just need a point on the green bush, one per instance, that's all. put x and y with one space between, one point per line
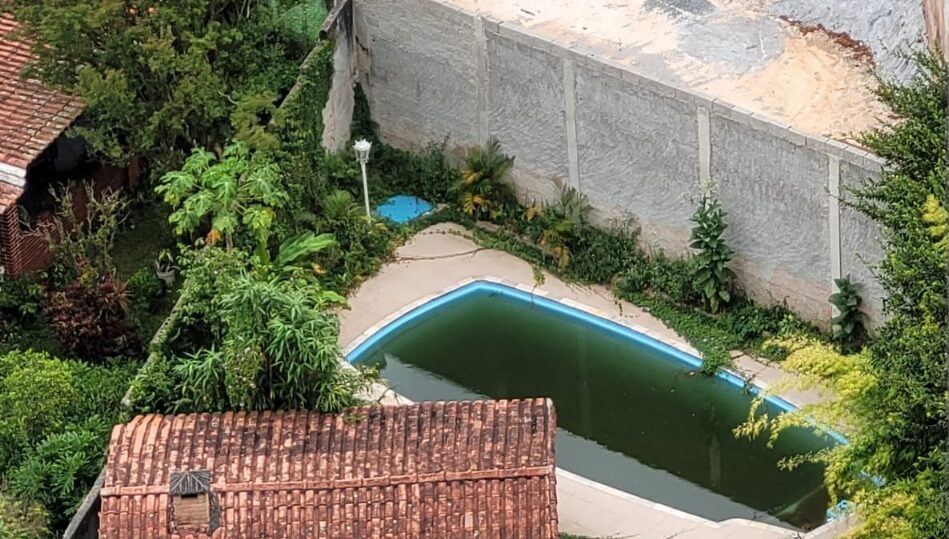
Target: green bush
35 397
144 289
21 298
673 279
597 256
22 518
153 389
59 471
752 322
99 389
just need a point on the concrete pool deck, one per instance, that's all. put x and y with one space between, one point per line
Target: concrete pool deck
443 257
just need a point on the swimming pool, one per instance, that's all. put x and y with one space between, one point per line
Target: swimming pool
631 410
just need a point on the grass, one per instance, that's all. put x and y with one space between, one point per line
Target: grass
144 234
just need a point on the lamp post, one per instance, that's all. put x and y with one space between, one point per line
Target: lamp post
362 147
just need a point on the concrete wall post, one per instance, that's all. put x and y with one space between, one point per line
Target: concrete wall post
570 121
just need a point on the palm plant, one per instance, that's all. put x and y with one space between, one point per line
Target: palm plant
483 189
340 206
562 220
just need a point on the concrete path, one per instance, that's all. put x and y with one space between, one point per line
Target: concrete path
441 258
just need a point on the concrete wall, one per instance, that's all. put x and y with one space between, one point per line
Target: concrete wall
338 112
639 149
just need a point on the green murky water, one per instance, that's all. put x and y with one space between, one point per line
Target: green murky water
627 417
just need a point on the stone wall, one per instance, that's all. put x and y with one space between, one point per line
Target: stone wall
639 149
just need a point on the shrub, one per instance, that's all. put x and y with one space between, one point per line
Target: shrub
636 279
711 276
59 471
22 518
90 319
673 279
597 256
153 390
279 351
21 298
849 327
144 289
82 243
35 397
99 389
751 322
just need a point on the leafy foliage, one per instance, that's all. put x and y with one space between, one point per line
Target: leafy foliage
279 351
483 191
237 193
711 276
145 288
561 223
849 325
22 519
158 80
892 397
91 319
60 469
937 219
21 298
82 234
35 394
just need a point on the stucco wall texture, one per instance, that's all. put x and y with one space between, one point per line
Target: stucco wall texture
640 149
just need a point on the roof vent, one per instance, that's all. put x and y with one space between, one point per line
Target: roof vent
191 500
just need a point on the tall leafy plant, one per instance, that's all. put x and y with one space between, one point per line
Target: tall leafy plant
849 325
711 276
237 192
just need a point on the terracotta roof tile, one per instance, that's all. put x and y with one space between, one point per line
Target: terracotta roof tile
446 469
32 114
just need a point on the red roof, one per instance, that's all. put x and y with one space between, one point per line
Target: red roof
32 114
446 469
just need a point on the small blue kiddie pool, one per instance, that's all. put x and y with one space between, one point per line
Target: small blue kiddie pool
403 208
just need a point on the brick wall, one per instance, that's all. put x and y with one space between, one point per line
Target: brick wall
25 251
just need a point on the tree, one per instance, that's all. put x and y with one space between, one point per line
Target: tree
891 399
159 78
239 191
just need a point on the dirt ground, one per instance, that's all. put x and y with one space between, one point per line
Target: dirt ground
730 49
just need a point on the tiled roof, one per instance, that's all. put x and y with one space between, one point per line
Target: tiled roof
446 469
32 114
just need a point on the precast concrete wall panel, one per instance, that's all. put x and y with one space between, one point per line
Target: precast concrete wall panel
637 154
423 76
